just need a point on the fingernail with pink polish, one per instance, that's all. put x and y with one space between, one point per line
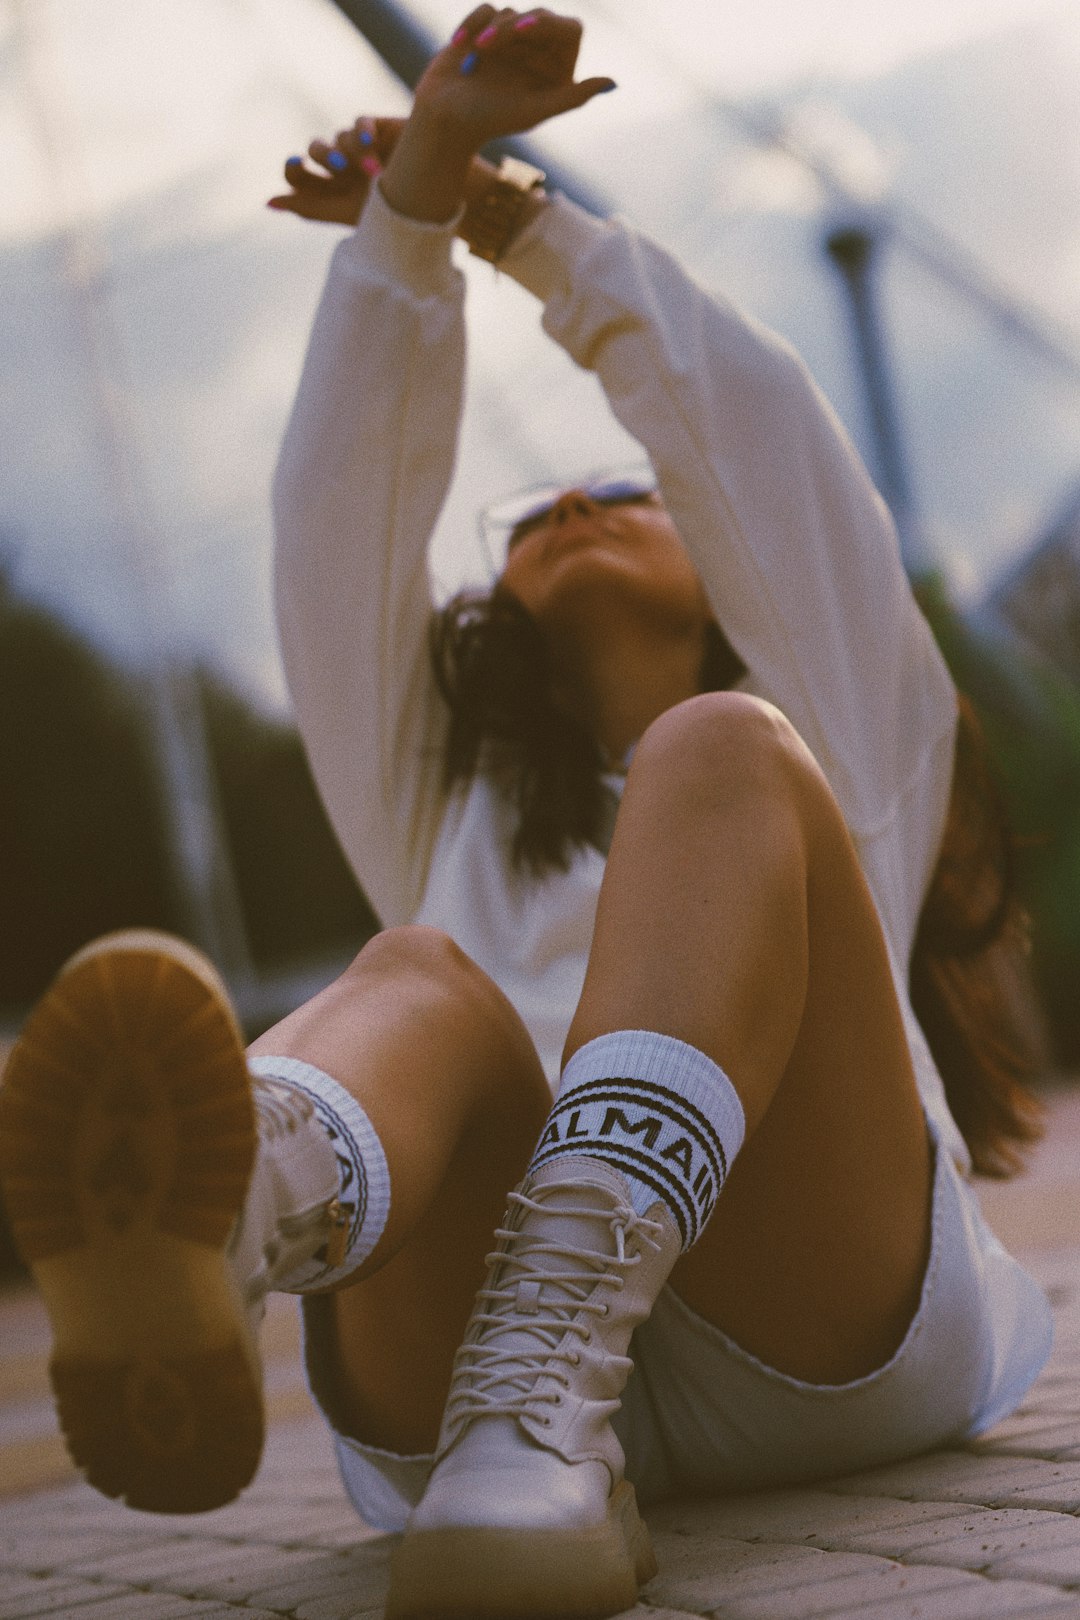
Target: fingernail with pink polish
371 166
459 37
525 22
487 36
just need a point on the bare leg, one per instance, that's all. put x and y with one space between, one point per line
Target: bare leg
445 1070
734 915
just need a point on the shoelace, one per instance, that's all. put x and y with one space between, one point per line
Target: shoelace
543 1301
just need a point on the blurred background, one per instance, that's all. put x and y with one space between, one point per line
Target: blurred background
894 184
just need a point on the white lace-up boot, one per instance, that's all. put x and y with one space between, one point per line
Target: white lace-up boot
129 1133
527 1512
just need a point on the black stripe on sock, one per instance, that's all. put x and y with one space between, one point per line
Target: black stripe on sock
626 1160
600 1147
664 1100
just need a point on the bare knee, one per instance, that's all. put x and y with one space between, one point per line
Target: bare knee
430 977
727 748
416 951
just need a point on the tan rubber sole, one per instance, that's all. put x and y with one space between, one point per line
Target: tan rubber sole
500 1574
127 1139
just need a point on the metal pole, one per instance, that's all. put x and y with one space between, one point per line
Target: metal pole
851 250
407 47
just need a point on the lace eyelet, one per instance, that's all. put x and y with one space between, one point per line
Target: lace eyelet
574 1360
605 1310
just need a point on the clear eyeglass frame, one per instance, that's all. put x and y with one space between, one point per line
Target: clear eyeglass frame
607 487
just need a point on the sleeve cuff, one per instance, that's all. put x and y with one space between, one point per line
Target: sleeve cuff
412 252
546 254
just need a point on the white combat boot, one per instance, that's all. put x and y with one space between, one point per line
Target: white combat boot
157 1192
527 1512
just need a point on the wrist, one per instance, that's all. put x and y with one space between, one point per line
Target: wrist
428 170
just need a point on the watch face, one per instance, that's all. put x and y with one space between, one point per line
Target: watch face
521 175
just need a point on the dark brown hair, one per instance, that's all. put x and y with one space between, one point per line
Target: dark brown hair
970 977
968 969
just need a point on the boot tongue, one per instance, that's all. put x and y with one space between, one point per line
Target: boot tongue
561 1243
568 1234
572 1193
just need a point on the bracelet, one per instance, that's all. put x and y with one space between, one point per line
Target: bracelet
491 221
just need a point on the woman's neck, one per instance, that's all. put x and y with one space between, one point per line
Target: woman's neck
625 680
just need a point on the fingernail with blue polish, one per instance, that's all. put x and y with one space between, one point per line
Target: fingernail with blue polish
469 63
366 138
337 161
289 162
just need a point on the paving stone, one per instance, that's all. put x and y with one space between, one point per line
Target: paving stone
346 1583
221 1570
967 1540
643 1611
113 1604
704 1572
865 1591
257 1570
56 1551
809 1517
983 1547
957 1476
974 1598
43 1595
1060 1566
1050 1440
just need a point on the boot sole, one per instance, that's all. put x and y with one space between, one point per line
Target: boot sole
127 1139
498 1574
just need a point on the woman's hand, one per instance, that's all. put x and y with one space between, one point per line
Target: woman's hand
337 185
504 72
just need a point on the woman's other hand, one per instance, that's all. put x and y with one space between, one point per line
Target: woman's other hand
335 185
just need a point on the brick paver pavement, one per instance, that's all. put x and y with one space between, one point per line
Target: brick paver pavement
990 1531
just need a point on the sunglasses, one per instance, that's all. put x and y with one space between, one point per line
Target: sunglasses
507 521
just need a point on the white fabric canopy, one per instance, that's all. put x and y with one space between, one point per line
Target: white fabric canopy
154 314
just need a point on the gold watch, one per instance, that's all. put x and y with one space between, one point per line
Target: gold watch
490 221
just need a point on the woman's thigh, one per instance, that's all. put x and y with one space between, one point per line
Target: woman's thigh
735 915
815 1256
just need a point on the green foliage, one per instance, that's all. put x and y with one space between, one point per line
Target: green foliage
80 822
1030 713
82 828
300 900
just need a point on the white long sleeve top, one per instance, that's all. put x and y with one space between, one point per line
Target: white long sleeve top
795 548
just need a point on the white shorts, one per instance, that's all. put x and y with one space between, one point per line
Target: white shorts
701 1415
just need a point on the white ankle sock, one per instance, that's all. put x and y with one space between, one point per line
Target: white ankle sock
363 1174
661 1112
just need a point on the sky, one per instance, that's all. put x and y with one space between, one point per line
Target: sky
766 46
153 315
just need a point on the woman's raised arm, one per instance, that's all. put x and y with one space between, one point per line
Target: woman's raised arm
370 445
794 544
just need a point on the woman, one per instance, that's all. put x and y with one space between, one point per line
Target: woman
726 994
